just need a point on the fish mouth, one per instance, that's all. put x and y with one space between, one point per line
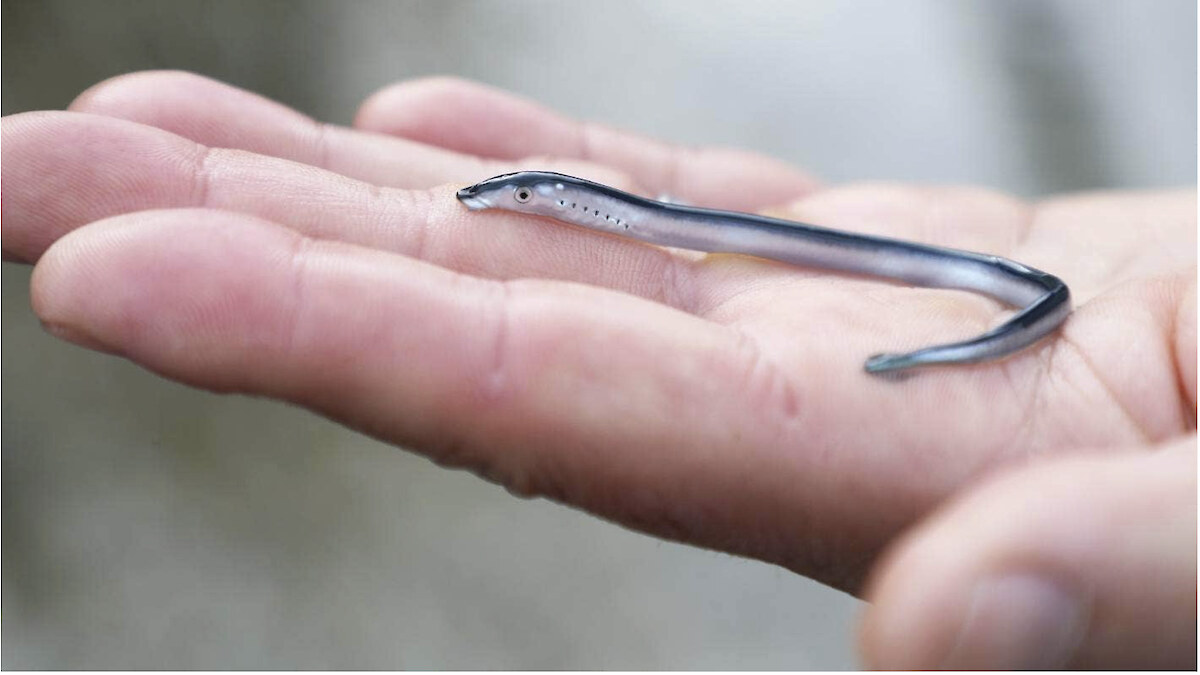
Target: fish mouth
469 196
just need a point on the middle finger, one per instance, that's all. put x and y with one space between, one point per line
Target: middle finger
218 115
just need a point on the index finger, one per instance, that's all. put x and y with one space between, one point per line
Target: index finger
219 115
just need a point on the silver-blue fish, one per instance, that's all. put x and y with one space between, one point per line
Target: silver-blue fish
1044 299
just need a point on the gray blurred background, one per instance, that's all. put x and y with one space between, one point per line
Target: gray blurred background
147 525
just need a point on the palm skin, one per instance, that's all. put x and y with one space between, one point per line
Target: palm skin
718 400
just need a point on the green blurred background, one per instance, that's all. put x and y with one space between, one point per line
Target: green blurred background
147 525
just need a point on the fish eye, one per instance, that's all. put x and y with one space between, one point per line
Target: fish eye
523 194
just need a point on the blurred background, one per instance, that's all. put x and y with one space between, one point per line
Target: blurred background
147 525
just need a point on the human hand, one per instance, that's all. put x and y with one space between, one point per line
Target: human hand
715 400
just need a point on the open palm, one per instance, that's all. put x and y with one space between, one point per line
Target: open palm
715 399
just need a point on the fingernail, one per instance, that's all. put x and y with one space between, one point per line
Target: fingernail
1019 622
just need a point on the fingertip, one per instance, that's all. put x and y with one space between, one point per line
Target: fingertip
121 90
464 116
98 285
78 289
899 628
64 169
206 111
1073 563
407 109
384 109
952 592
945 609
59 282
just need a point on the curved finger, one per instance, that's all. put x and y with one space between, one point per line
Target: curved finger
1086 563
62 170
219 115
629 409
476 119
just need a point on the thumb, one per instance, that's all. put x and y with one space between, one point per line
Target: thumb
1083 562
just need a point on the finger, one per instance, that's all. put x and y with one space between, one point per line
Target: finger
63 170
479 120
1086 563
956 216
599 399
218 115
